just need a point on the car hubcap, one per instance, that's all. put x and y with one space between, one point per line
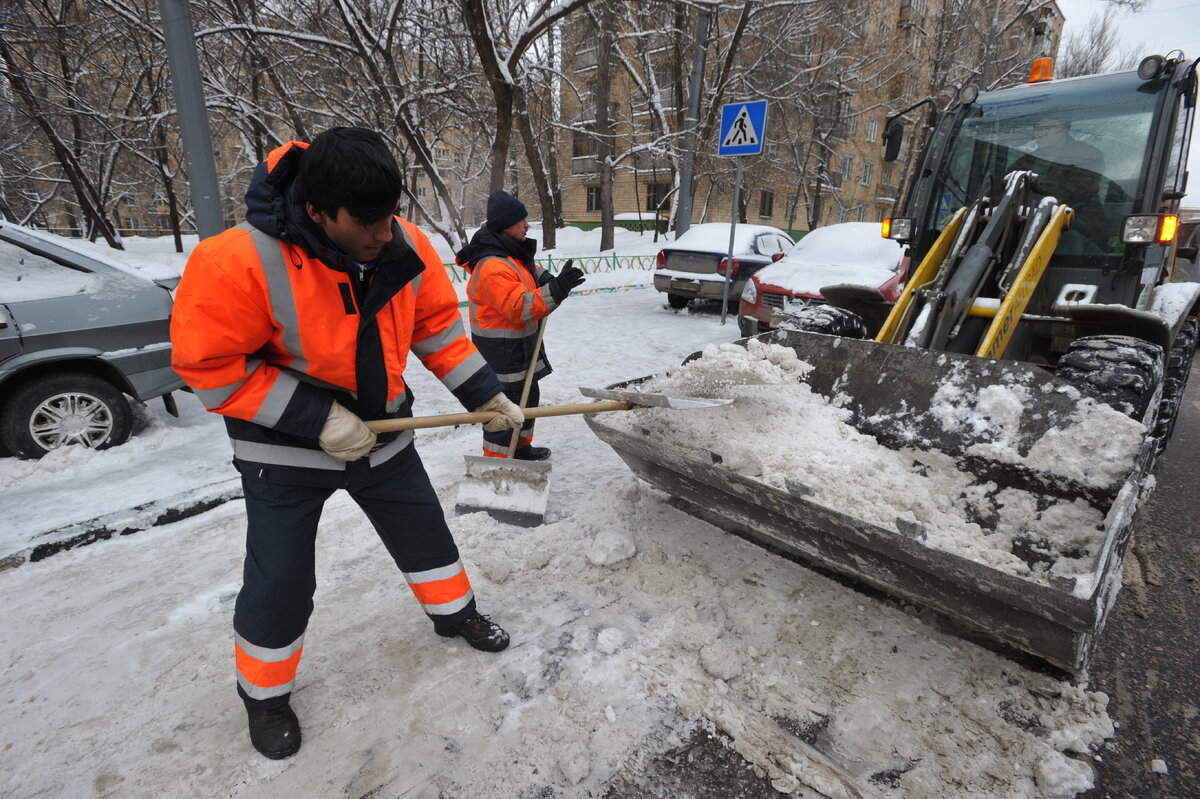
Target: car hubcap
71 418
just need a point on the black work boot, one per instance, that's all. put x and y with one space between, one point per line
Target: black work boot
275 732
478 630
532 453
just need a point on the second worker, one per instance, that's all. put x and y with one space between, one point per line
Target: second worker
509 294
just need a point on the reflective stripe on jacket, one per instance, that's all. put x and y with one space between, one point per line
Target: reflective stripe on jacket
506 304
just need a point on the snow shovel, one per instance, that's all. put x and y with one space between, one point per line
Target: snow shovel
509 490
518 495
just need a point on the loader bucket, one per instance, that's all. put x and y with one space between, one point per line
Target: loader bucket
899 396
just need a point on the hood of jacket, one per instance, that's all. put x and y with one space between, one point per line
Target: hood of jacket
273 208
489 244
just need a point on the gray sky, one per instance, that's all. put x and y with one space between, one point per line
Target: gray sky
1163 25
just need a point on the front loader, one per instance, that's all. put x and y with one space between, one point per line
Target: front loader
1041 270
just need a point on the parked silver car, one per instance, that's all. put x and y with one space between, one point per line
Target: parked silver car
78 332
693 266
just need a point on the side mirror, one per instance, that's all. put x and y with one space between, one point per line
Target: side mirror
893 135
1186 253
776 256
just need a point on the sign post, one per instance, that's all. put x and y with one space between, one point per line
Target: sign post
743 129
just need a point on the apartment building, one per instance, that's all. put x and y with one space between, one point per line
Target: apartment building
822 160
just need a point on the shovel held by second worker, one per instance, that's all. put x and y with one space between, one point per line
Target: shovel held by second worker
516 493
507 489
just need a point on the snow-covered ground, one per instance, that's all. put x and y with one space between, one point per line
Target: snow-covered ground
632 624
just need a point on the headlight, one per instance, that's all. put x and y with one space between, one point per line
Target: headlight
750 293
897 229
1149 229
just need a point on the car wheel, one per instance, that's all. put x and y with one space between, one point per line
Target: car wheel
1121 371
69 408
678 301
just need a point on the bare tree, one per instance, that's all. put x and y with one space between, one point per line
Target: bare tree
1087 52
51 56
503 33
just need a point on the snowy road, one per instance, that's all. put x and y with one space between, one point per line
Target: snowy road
633 624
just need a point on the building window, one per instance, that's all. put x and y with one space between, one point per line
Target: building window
862 213
766 203
441 153
593 198
847 168
881 211
872 129
656 195
868 167
851 122
420 191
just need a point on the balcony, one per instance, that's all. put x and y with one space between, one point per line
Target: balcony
584 165
652 161
585 59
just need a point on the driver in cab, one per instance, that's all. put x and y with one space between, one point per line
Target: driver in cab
1067 168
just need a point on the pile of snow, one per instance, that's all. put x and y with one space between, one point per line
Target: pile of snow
780 432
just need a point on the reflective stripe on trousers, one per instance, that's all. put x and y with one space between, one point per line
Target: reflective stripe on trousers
264 673
279 575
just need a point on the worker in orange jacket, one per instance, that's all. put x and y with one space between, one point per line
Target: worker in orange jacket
296 326
509 294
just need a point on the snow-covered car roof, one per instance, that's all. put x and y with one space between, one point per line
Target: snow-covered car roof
850 252
714 237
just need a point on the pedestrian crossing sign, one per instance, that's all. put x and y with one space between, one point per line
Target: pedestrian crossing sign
743 126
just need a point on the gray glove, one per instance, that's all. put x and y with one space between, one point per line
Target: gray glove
510 417
345 436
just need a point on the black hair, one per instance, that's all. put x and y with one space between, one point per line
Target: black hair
351 168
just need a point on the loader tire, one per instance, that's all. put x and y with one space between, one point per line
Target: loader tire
1179 366
1121 371
828 320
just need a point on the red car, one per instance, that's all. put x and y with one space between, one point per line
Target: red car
848 253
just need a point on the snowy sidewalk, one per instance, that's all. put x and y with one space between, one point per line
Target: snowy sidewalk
632 623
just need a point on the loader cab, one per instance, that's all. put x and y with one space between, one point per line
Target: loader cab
1107 145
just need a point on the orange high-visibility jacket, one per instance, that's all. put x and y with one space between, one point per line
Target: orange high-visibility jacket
271 325
507 301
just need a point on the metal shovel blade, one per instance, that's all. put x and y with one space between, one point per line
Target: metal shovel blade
647 400
508 490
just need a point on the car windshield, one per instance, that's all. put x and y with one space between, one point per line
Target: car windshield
27 276
1085 139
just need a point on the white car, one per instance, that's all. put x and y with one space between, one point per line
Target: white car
693 266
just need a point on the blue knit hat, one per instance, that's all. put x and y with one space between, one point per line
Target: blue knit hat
504 211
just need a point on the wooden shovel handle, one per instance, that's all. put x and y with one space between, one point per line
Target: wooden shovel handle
479 417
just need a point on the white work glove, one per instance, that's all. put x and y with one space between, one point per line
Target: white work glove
510 417
345 436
